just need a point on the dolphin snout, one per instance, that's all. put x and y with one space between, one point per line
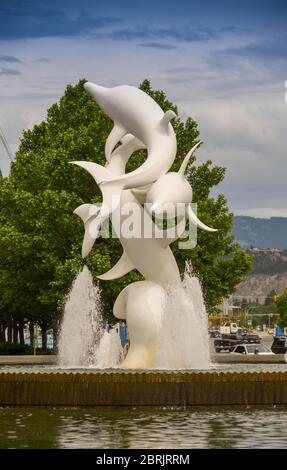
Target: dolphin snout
94 90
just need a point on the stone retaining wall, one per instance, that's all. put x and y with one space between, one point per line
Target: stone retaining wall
143 388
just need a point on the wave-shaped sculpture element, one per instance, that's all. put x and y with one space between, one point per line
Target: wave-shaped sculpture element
139 123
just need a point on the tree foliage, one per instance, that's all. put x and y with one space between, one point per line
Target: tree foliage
281 306
40 238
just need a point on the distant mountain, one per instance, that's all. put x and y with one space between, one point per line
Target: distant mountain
261 233
269 273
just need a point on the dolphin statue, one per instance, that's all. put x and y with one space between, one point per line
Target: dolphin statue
163 270
174 188
133 112
170 188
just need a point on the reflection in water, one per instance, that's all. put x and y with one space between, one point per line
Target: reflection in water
239 427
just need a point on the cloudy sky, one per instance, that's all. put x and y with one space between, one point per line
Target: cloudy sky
223 62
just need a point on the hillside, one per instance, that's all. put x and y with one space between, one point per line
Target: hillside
269 272
262 233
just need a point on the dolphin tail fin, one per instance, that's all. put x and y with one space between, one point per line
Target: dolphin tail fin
110 188
111 193
98 172
89 215
123 266
195 220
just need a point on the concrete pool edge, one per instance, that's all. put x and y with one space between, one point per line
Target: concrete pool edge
216 358
145 388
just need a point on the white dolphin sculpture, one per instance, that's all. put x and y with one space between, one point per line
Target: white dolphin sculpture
163 270
133 112
141 303
139 123
174 188
169 188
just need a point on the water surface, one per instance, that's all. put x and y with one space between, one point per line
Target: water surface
237 427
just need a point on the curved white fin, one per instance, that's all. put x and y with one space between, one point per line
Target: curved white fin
111 189
168 115
85 211
98 172
195 220
123 266
92 229
184 164
115 136
89 215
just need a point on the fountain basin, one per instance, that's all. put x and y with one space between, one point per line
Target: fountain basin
216 358
138 388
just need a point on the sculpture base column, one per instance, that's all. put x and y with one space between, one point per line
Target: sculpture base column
141 304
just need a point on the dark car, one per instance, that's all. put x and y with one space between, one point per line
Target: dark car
251 339
228 342
279 345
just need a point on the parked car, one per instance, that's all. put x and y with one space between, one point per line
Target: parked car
228 342
251 349
279 345
251 339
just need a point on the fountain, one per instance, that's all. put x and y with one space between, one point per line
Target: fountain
84 340
159 310
168 359
182 342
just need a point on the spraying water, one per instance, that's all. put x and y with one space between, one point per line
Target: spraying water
183 342
184 335
83 340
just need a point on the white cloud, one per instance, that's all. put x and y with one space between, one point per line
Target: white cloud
240 109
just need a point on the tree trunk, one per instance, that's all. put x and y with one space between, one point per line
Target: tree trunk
31 331
55 338
9 332
44 335
21 332
15 331
2 332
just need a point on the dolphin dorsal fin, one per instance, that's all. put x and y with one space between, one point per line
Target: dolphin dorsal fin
122 267
168 115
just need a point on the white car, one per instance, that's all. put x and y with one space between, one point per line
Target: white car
252 349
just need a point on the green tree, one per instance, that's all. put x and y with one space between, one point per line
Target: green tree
43 238
270 297
281 305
